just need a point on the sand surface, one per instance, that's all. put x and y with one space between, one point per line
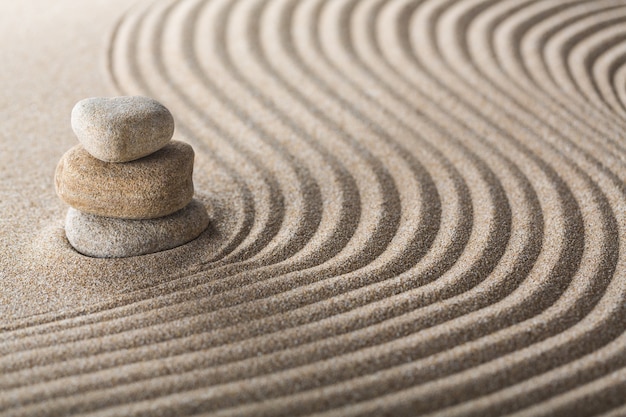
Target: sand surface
417 207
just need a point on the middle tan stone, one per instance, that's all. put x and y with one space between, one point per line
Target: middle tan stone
154 186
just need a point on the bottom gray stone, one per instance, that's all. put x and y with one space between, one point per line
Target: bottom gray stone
106 237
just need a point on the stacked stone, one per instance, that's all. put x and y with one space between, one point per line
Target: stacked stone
129 186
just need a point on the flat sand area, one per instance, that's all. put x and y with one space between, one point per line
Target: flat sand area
418 207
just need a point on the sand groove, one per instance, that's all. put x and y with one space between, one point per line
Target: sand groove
423 207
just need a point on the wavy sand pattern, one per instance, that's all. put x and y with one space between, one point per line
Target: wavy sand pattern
418 207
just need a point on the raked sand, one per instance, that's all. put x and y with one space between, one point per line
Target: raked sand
417 207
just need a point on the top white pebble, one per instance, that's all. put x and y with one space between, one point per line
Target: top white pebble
122 129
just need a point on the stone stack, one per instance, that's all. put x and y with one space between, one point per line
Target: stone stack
129 186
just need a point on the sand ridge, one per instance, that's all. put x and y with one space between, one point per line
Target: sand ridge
420 209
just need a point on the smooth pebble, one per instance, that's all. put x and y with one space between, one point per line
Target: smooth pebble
105 237
150 187
122 129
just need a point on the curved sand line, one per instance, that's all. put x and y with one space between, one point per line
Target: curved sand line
425 214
